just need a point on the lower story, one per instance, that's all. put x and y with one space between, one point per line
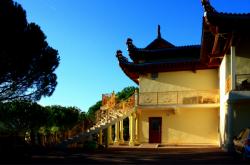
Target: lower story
167 126
205 125
179 126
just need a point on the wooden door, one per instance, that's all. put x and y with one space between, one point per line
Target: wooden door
155 130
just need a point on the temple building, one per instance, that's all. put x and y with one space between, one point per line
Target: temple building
191 95
188 95
178 100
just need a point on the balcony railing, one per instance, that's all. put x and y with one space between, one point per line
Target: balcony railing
179 97
242 82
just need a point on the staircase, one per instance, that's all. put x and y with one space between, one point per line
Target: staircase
109 114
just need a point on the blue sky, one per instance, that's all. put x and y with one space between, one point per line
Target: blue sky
87 34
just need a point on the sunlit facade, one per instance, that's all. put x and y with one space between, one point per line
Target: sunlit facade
188 95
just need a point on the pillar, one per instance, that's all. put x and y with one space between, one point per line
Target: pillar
117 130
137 129
121 132
109 134
233 68
100 136
131 130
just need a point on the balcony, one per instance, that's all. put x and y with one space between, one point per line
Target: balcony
242 82
113 109
179 97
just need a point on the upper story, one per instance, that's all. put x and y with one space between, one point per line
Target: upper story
220 63
225 42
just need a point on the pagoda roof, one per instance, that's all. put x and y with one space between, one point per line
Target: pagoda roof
139 55
133 70
150 51
220 30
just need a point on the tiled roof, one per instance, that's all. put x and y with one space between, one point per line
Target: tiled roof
226 22
218 32
133 70
221 30
167 54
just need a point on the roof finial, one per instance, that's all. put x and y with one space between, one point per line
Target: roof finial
159 31
207 6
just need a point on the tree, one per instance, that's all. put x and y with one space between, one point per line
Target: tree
93 109
19 117
63 117
27 62
126 92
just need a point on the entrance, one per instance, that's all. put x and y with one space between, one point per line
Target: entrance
155 130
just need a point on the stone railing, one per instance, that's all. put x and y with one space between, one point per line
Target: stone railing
179 97
112 108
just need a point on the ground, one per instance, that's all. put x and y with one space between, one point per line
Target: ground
134 156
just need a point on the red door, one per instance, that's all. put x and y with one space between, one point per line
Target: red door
155 130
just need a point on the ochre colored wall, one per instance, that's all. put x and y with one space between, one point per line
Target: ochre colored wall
186 126
181 80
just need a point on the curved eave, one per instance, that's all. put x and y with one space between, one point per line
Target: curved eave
206 42
228 22
213 44
225 22
133 70
124 63
131 73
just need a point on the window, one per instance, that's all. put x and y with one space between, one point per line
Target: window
154 75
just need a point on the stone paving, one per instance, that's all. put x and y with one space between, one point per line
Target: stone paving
174 155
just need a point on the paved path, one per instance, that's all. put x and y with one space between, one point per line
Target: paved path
140 156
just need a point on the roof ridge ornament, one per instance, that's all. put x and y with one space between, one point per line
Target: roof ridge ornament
120 57
130 44
207 6
159 31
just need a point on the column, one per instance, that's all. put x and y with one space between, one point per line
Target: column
117 133
100 136
137 129
233 68
109 134
121 132
131 130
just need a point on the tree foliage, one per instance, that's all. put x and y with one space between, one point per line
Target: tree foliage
92 110
126 92
22 116
63 117
27 62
